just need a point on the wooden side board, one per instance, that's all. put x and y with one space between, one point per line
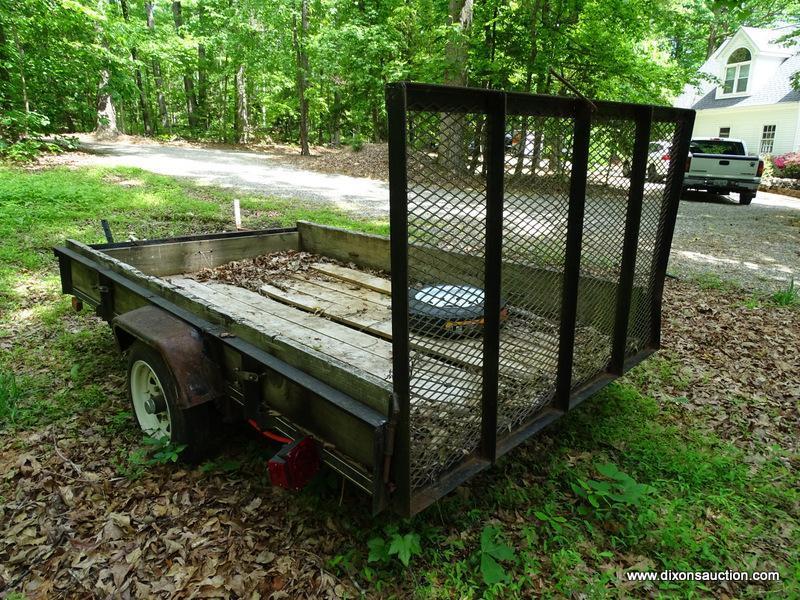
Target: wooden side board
363 249
172 258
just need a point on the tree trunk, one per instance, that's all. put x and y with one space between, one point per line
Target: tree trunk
242 114
299 38
534 28
188 77
202 75
336 125
163 115
22 79
106 113
5 74
452 130
144 104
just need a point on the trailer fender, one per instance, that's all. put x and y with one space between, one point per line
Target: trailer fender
181 346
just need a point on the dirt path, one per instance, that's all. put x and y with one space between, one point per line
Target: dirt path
756 246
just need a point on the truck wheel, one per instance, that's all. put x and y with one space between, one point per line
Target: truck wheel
746 198
152 393
652 174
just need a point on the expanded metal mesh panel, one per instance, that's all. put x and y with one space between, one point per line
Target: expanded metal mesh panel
488 208
607 190
446 238
536 206
659 160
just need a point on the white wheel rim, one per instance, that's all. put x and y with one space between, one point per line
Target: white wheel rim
145 386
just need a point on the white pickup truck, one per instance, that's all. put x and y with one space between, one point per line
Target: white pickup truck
722 166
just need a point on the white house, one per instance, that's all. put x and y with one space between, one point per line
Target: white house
750 94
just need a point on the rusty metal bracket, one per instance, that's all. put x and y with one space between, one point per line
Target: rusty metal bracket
106 290
250 381
181 346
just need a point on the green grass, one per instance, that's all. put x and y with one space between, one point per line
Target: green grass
789 296
706 505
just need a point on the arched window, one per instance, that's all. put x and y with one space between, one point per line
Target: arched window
737 71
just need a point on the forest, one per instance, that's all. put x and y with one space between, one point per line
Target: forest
313 71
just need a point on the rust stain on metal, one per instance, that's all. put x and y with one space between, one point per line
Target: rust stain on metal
182 347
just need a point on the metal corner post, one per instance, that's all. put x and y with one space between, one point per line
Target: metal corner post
572 257
396 108
644 120
669 214
495 172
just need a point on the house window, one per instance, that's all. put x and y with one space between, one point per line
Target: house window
767 139
724 132
737 72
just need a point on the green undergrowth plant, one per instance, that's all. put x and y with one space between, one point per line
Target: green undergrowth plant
152 452
404 547
788 296
10 393
616 490
494 552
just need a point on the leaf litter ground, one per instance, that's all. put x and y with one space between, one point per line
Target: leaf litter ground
76 522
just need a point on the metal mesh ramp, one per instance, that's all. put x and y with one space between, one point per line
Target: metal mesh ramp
556 216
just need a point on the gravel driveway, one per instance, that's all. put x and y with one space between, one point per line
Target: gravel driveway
756 246
257 172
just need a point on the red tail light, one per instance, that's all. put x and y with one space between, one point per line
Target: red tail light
760 168
688 163
295 464
665 157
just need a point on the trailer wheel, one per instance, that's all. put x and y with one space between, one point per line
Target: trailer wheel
746 198
152 394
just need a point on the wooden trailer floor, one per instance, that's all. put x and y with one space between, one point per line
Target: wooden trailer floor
346 314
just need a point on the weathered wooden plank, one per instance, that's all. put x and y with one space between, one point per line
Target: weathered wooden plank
365 280
371 353
370 311
344 308
171 258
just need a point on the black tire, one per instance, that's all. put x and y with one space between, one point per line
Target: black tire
626 169
191 426
652 174
745 198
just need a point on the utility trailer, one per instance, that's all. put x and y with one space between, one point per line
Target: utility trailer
517 281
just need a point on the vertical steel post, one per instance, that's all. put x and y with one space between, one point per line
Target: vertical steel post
572 257
495 171
644 119
396 107
666 223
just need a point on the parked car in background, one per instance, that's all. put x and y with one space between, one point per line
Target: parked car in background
722 166
657 162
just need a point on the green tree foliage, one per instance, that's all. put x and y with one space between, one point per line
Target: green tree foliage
228 69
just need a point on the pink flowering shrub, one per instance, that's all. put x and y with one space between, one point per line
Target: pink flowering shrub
787 165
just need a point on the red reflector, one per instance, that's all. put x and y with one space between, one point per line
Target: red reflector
760 168
665 157
295 465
